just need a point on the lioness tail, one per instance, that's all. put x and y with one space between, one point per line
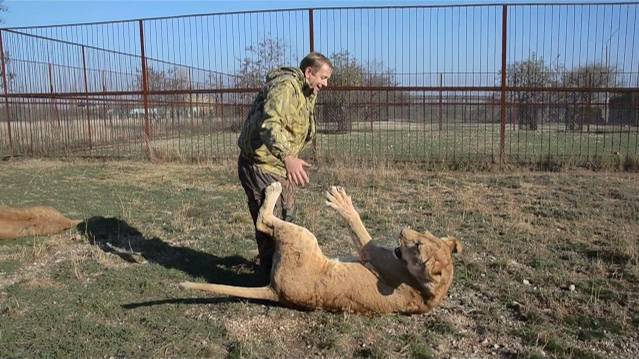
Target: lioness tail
265 293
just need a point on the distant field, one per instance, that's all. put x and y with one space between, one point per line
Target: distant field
529 238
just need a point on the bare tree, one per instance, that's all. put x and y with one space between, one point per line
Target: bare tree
586 80
335 104
3 8
532 72
7 58
166 80
341 108
337 109
262 58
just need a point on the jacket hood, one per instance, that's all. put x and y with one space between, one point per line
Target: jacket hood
283 71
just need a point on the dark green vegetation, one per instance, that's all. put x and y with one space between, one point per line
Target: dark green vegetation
108 288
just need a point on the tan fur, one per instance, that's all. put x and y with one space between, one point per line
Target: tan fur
32 221
377 282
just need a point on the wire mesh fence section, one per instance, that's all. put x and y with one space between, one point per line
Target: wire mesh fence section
428 83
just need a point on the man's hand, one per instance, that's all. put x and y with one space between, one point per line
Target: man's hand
295 170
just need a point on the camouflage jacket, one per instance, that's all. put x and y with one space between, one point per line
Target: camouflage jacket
280 122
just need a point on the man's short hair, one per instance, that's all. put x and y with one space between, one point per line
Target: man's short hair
315 60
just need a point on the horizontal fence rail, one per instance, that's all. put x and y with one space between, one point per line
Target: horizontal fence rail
517 83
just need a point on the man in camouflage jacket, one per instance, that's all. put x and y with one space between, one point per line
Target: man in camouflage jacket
280 123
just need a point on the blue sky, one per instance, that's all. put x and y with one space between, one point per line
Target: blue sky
447 40
51 12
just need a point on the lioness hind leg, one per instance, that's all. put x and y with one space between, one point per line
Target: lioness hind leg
266 219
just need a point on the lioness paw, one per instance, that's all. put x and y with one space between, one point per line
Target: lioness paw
337 199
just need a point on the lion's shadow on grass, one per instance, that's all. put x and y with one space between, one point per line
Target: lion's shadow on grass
114 235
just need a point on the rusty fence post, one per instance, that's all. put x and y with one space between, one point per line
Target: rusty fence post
56 114
502 112
145 95
86 102
311 39
590 113
5 85
311 30
107 132
441 101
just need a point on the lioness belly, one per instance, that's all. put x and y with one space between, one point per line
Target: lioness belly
339 286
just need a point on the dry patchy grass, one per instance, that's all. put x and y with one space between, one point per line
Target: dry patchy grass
550 267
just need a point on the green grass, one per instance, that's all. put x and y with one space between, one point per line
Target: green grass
73 295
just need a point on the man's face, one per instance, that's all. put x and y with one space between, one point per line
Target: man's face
318 79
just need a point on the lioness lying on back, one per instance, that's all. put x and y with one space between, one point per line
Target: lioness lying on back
413 278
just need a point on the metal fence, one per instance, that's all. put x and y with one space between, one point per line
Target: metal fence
518 83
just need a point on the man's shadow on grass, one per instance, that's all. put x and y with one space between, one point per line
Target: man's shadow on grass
115 236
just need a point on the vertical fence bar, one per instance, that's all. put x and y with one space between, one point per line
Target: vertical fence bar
441 101
53 101
189 113
145 95
86 91
574 99
502 114
108 131
5 86
311 37
311 30
590 112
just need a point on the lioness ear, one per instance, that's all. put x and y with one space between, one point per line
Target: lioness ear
454 244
